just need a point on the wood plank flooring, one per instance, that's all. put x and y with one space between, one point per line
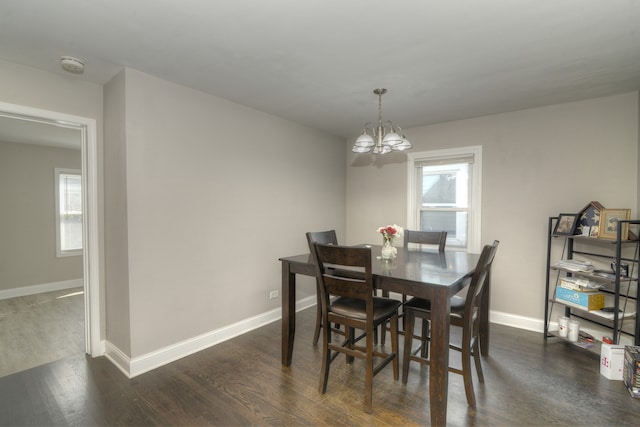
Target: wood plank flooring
41 328
241 382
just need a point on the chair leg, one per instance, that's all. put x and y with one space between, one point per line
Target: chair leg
316 333
394 347
351 336
368 378
383 333
476 357
404 323
467 375
424 339
383 327
409 317
326 360
375 334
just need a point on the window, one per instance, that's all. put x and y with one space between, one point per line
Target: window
444 194
68 183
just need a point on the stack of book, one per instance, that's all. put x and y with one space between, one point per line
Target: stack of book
576 265
579 284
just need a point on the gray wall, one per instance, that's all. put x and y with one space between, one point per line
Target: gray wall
27 221
537 163
210 194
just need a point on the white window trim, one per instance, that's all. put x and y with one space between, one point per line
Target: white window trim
57 172
475 223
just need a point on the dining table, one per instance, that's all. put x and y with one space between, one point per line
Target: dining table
423 273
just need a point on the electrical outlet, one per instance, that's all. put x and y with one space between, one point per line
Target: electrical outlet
273 294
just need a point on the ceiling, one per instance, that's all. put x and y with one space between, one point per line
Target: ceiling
39 133
316 62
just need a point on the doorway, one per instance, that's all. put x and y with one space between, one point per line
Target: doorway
86 130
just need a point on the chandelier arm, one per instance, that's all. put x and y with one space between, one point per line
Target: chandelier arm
390 124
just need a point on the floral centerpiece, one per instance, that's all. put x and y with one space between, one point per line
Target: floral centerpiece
389 233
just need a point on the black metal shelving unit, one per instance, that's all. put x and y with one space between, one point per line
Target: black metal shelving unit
622 289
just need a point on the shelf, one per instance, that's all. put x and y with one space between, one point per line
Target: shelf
609 316
593 346
598 313
596 277
595 240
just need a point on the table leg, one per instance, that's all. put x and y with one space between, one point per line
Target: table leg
439 371
484 317
288 312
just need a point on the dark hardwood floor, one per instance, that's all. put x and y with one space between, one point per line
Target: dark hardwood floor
241 382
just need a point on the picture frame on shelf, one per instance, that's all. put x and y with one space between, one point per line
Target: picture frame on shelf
566 224
589 218
608 227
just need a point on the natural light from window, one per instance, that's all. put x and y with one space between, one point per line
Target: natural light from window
445 194
68 212
445 201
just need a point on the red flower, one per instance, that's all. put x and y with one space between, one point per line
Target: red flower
390 232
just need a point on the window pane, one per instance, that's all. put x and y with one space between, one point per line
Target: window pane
445 186
454 223
439 189
71 232
70 205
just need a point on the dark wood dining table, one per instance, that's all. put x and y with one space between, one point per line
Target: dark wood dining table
433 275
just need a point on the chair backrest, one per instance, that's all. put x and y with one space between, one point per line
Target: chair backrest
477 286
324 237
332 261
438 238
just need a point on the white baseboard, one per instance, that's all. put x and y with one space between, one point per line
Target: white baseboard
118 358
132 367
38 289
515 321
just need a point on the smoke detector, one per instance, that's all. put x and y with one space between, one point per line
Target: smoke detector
72 65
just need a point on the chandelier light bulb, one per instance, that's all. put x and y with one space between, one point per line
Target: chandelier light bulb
392 139
403 146
365 140
360 150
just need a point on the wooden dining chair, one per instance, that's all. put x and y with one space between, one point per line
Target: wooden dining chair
436 240
324 237
465 313
349 301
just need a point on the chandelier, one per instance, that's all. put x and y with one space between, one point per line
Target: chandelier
382 139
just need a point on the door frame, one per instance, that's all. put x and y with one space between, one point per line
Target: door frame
94 345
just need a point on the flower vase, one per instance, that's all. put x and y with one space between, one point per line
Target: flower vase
388 250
